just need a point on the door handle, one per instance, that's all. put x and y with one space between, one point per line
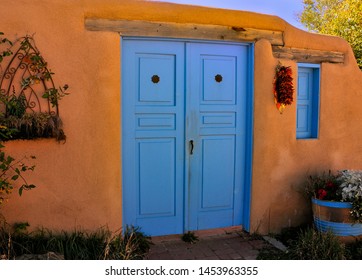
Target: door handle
191 142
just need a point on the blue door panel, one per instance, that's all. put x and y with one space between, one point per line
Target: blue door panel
303 125
151 121
217 120
218 79
217 165
157 177
304 83
157 79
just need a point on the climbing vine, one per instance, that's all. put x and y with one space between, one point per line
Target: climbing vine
11 172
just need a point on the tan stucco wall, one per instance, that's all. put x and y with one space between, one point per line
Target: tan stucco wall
79 183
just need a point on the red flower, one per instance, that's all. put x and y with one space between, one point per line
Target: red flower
321 194
330 185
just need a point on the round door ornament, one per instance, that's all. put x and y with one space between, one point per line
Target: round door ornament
155 79
218 78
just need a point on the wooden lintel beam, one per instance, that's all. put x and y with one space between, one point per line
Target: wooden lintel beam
183 30
308 55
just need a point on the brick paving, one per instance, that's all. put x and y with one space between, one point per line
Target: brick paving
220 244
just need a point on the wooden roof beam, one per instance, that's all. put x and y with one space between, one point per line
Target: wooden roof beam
308 55
183 30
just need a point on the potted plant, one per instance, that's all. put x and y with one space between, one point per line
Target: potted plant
337 202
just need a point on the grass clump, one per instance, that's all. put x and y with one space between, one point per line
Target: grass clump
306 243
189 237
354 250
315 245
129 244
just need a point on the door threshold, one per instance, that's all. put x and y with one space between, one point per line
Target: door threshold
199 233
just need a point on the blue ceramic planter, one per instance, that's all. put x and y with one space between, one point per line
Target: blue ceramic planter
335 216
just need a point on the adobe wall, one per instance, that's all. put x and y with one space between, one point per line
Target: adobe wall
79 182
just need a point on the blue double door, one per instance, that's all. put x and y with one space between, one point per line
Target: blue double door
184 134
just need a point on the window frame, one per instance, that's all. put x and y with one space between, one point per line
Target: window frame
313 119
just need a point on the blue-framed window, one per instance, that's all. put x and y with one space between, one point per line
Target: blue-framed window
308 100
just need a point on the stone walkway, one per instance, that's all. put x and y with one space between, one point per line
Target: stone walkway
220 244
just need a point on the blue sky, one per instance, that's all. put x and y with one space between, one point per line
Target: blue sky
286 9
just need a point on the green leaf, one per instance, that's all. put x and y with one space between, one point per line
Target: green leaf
335 17
9 159
15 177
31 186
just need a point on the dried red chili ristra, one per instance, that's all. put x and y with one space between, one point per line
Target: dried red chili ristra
283 87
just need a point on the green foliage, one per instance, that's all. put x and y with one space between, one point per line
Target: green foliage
11 171
323 186
314 245
21 227
6 133
131 244
7 51
15 106
354 250
18 119
19 124
336 17
54 94
189 237
31 126
306 243
356 212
